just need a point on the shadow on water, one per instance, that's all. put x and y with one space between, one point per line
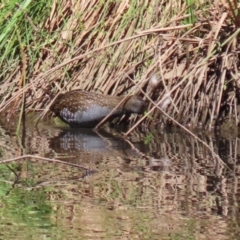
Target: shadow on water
154 185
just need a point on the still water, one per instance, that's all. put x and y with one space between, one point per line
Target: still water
60 183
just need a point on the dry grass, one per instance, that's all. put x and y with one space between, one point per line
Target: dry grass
115 48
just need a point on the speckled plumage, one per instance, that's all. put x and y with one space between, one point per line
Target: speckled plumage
80 108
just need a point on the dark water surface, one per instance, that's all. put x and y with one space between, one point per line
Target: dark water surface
155 185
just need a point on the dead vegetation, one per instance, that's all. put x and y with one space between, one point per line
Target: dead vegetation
115 47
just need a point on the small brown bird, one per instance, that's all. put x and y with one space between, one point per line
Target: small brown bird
80 108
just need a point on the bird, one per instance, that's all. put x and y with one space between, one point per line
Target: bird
84 109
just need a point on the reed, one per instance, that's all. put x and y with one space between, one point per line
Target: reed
114 47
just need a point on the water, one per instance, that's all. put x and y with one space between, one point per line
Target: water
156 185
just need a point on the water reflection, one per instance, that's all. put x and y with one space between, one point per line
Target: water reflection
89 140
155 185
95 149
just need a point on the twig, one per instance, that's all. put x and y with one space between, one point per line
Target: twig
41 158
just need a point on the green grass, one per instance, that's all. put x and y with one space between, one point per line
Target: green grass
26 17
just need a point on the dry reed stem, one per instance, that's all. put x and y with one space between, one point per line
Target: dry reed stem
40 158
100 44
156 105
